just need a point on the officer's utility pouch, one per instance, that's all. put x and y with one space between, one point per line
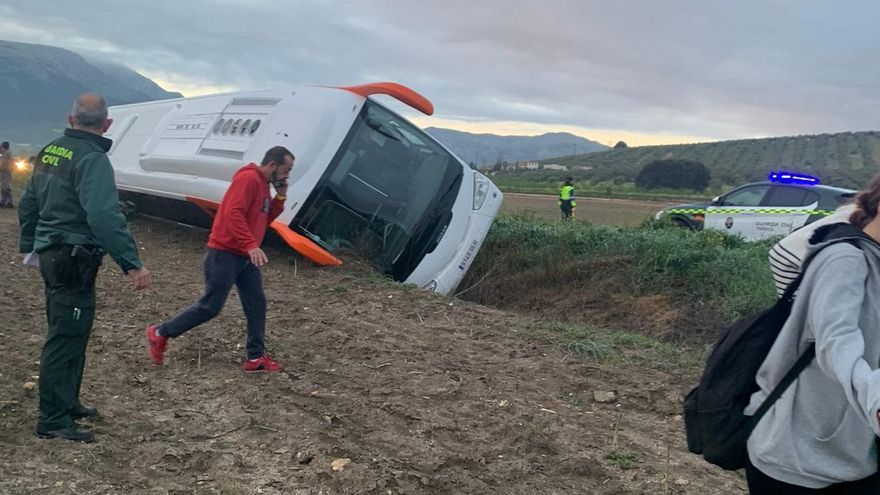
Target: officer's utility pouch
69 318
87 261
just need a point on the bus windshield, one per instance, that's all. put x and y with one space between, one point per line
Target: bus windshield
387 194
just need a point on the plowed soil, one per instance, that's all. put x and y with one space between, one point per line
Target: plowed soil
420 393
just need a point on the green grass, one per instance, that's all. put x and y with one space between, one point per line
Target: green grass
614 347
623 460
702 271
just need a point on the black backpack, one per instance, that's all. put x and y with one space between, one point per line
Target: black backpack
714 421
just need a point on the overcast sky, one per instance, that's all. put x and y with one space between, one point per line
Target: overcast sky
642 71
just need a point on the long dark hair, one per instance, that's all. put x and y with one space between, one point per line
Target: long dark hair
866 204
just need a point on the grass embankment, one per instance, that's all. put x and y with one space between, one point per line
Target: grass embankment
657 280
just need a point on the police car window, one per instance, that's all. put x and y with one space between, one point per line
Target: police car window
810 198
787 196
749 196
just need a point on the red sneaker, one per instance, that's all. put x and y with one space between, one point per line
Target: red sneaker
156 344
263 364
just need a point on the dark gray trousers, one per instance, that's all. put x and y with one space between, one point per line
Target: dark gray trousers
223 270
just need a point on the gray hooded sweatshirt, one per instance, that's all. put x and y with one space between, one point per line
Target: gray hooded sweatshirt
822 430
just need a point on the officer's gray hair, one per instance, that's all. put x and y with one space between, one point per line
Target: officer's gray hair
89 110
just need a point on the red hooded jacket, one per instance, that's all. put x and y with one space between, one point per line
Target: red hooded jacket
245 212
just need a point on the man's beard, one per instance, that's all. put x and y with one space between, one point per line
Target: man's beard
276 180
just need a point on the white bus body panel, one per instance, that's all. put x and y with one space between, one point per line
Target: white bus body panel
169 149
450 260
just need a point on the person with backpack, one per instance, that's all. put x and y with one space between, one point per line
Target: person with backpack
819 436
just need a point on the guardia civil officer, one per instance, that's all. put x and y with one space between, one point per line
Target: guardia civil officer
69 215
566 199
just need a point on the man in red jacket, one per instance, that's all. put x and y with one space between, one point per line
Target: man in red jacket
234 257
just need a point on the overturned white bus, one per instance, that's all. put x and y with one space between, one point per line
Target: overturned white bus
365 178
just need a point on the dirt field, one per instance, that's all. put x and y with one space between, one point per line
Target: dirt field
424 394
599 211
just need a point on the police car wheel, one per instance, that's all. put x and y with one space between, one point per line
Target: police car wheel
681 222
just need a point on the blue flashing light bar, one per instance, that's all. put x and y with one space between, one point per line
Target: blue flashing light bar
797 178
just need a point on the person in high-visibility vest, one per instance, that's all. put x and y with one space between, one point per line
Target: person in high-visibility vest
566 199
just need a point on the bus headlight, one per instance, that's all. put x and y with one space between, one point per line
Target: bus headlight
431 286
481 190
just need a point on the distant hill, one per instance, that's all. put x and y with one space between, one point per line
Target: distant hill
38 84
484 149
847 159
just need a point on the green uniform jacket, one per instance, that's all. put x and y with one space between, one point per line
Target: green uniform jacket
71 198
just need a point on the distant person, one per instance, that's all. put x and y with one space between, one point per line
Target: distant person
5 176
69 216
820 436
787 255
234 257
566 199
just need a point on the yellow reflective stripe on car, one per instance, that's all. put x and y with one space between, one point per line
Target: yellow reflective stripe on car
733 211
693 211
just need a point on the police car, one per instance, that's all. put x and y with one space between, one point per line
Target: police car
759 210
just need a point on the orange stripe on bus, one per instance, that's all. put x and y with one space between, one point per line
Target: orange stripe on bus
209 207
301 244
304 246
395 90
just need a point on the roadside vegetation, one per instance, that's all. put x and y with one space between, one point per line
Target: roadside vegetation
657 279
847 159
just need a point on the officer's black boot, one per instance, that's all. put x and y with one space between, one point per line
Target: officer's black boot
80 411
72 433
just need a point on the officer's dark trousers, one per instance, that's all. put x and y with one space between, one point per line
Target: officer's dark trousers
223 270
565 208
70 311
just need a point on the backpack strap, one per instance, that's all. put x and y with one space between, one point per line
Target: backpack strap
803 361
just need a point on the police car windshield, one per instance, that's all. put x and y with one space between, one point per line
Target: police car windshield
378 191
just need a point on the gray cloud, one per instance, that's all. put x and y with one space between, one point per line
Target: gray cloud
714 69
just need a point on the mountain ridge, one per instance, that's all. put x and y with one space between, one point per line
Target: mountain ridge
487 148
38 84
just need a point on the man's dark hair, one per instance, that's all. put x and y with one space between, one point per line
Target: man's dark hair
5 145
276 154
568 180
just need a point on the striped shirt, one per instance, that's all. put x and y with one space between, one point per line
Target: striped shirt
786 255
